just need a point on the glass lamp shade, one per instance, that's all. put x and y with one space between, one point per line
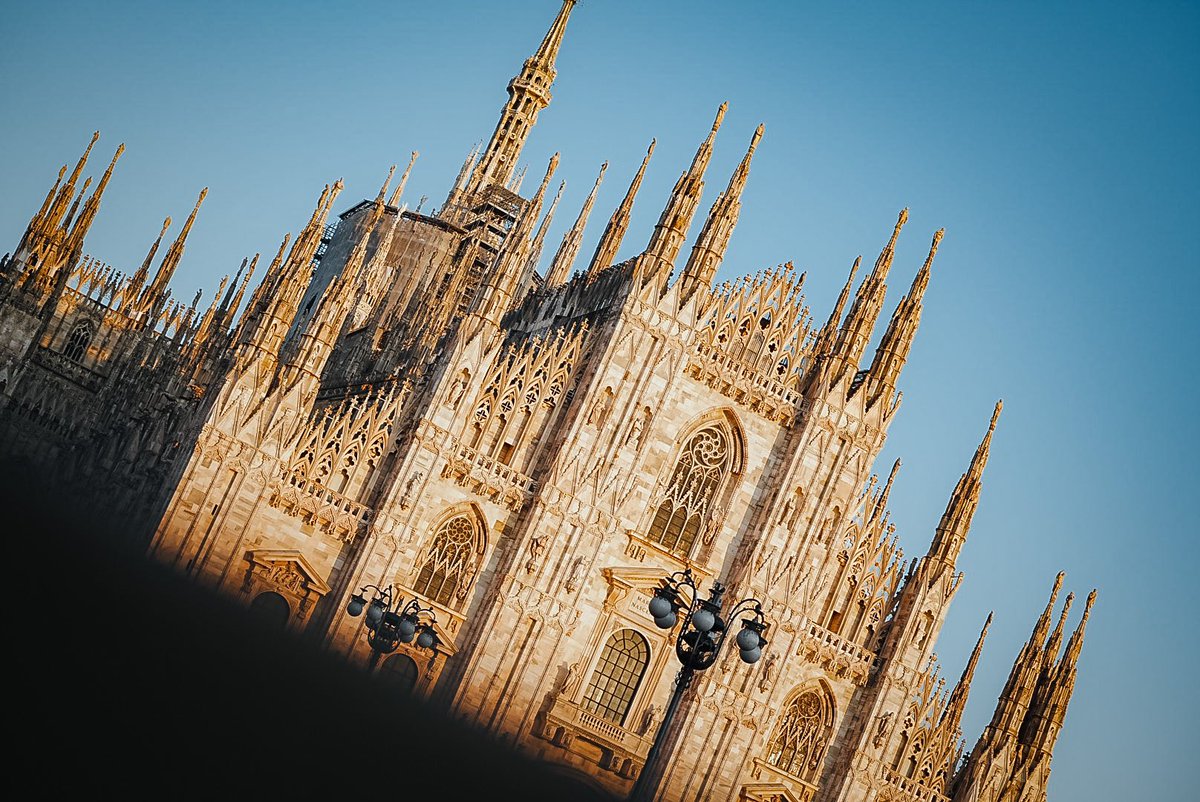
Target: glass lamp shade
406 626
660 607
425 639
751 655
703 619
665 622
375 612
748 639
356 605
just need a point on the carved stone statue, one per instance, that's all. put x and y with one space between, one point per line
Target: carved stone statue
572 582
649 719
638 429
406 499
570 680
766 675
600 409
881 727
457 389
537 546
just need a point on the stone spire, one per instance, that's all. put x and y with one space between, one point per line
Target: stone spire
659 257
67 190
499 290
528 94
856 330
1056 637
958 697
710 246
827 336
38 223
90 208
1012 756
956 520
395 199
51 246
897 341
336 303
881 502
618 224
170 261
1048 709
275 302
1018 690
143 272
564 259
539 239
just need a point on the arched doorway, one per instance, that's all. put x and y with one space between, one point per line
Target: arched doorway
399 672
271 609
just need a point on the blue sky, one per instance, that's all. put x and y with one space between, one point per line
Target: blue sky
1056 143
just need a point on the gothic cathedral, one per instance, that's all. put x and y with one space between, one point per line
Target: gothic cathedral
406 399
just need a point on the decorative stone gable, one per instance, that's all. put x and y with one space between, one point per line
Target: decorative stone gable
287 573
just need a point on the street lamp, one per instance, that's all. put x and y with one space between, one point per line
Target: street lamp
391 622
697 646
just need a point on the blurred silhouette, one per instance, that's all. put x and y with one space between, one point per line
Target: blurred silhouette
140 682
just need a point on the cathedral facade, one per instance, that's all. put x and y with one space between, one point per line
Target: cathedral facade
408 400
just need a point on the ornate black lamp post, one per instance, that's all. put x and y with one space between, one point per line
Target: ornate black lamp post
697 646
391 622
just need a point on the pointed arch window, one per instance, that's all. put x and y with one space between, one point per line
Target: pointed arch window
617 675
802 734
705 463
450 561
78 341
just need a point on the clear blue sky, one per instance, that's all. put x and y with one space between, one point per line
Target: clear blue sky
1057 146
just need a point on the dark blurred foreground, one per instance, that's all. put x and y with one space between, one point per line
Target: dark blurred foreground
137 683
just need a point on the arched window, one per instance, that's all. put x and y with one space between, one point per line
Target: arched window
704 463
399 672
617 676
271 609
798 745
78 341
450 561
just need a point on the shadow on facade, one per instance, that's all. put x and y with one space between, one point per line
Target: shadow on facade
145 684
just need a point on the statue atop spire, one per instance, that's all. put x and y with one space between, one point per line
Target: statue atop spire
855 332
665 243
618 224
956 520
892 353
564 259
710 246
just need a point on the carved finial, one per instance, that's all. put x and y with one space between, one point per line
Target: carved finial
720 116
383 189
754 140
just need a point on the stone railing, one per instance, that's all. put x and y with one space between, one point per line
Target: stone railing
837 654
744 383
315 503
622 750
912 790
68 369
489 477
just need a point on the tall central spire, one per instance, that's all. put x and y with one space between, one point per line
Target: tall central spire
528 93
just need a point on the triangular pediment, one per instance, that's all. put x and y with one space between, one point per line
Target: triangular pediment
766 792
283 559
